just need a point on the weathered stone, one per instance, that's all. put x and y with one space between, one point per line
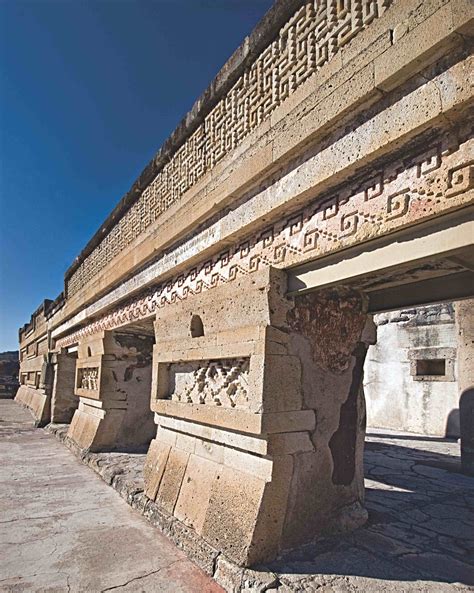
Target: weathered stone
465 353
113 378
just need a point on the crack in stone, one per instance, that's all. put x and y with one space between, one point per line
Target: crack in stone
53 516
141 577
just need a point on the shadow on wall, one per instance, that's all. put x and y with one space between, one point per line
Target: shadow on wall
452 424
420 527
466 407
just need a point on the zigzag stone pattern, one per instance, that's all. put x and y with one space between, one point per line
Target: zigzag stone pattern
310 39
221 382
402 192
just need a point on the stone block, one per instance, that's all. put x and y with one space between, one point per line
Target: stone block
207 435
228 575
455 87
197 548
417 49
289 442
254 465
232 512
304 128
195 491
463 17
165 435
83 429
282 383
155 464
172 479
185 442
209 450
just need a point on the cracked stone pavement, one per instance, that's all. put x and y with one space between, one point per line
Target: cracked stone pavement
63 529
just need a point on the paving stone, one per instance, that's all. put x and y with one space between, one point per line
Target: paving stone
65 530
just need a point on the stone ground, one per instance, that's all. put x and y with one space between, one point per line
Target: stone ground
63 529
420 534
419 538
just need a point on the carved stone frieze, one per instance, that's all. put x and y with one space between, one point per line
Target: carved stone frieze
88 378
403 192
309 40
215 382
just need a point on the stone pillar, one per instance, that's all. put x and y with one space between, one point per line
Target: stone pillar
465 377
260 416
64 401
37 395
113 380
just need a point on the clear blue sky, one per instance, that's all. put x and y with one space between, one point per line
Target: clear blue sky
89 90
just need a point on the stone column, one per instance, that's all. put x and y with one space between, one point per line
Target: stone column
113 379
37 394
260 416
64 401
465 377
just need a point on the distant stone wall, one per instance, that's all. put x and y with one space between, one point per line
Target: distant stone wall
9 367
410 373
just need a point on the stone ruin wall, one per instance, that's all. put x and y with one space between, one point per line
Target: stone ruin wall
310 39
410 375
354 122
431 181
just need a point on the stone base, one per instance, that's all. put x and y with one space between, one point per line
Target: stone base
37 401
237 505
64 402
97 430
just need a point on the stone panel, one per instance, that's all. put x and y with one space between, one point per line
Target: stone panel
275 479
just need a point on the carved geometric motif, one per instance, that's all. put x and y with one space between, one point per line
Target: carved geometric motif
219 382
88 378
402 193
312 36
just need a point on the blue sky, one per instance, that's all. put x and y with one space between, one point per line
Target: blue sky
89 90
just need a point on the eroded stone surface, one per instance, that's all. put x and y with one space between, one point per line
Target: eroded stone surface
355 159
420 533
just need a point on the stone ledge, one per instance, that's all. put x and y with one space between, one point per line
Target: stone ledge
124 472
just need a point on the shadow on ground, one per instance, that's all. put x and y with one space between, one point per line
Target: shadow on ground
420 531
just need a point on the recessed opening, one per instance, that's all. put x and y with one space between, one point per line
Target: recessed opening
197 327
432 367
89 351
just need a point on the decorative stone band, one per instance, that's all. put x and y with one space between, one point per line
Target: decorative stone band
220 382
310 39
399 194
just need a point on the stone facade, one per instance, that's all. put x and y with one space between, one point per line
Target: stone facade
410 376
261 473
338 132
112 381
9 367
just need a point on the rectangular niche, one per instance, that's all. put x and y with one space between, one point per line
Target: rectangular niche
432 364
222 382
88 378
